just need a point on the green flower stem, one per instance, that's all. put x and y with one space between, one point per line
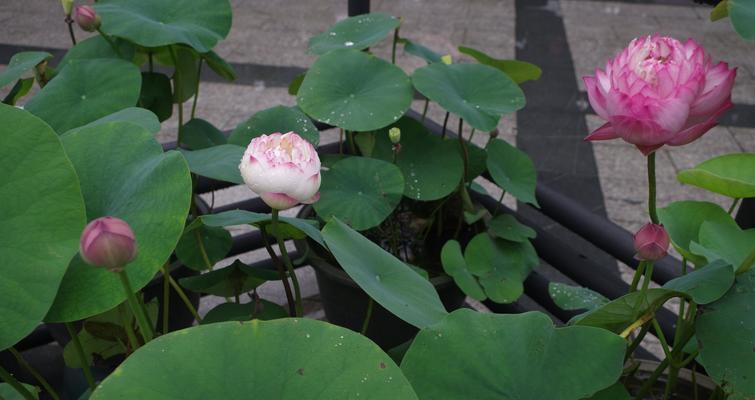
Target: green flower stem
637 340
498 204
340 141
110 41
177 94
80 353
637 274
471 135
145 327
424 110
661 337
196 89
166 300
464 153
368 316
289 266
182 295
151 62
645 284
42 381
734 205
651 188
128 327
445 124
8 378
281 272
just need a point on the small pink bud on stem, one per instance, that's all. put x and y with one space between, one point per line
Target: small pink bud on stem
651 242
87 18
108 242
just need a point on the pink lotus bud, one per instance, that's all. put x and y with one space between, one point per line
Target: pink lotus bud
283 169
651 242
659 91
108 242
87 18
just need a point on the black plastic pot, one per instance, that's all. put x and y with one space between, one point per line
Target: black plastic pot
345 303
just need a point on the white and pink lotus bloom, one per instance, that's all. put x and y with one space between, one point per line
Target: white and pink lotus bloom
283 169
659 91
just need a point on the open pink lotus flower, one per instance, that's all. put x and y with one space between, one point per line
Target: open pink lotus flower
659 91
283 169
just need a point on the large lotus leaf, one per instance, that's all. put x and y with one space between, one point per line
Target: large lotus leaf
478 93
569 297
285 359
357 32
742 14
420 51
135 115
157 94
500 265
216 242
390 282
7 392
123 173
512 170
197 23
472 355
682 220
432 167
41 219
455 266
618 314
519 71
97 47
217 162
355 91
85 91
20 64
259 309
361 191
726 333
279 119
232 280
242 217
706 284
725 241
731 175
200 134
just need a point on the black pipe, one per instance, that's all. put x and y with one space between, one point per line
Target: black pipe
601 232
746 214
576 266
358 7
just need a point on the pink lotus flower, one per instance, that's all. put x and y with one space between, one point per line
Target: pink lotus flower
108 242
283 169
659 91
87 18
651 242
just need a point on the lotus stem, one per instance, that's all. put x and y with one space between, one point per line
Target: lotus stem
289 266
82 356
8 378
145 327
42 381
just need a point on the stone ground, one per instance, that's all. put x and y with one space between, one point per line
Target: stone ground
568 38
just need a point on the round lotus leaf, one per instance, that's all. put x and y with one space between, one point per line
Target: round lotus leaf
432 166
731 175
358 32
42 218
21 64
471 355
355 91
85 91
278 119
196 23
478 93
285 359
124 173
361 192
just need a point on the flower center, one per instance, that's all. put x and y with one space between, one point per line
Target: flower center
652 57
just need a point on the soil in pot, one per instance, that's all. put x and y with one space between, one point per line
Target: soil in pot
421 235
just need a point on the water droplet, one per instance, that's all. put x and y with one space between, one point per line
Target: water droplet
332 34
377 278
83 97
348 44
